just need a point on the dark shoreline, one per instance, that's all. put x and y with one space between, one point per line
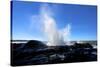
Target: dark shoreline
37 53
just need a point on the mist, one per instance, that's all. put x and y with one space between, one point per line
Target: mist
55 37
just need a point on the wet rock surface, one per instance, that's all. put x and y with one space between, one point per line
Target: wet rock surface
35 53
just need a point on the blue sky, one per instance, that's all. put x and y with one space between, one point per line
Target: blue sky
82 18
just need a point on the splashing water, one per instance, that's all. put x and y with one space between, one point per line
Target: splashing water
55 36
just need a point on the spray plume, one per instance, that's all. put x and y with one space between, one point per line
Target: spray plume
55 36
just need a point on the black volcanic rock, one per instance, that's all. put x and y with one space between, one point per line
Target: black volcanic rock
83 45
35 44
36 52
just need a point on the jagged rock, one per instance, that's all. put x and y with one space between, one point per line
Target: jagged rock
35 44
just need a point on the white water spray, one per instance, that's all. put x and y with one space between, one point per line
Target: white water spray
55 36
